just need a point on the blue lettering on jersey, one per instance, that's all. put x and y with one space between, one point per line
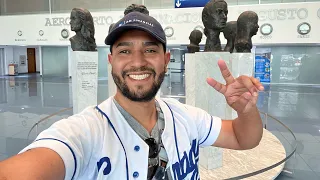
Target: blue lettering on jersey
106 170
188 164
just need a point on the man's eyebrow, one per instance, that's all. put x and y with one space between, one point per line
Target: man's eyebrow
125 44
150 43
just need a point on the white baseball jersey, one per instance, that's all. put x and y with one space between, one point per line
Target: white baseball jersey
99 144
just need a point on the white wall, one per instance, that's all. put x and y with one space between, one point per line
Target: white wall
17 52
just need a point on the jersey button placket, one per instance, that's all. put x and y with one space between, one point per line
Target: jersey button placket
136 174
137 148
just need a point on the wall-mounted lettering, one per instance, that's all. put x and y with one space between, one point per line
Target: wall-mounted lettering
266 37
64 21
283 14
57 21
303 36
178 19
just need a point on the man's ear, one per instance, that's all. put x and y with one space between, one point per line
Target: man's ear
110 58
167 58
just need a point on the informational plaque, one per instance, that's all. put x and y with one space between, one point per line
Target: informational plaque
23 59
84 79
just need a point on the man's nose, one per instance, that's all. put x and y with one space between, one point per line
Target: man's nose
138 59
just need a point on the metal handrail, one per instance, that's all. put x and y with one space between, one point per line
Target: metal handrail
43 119
237 177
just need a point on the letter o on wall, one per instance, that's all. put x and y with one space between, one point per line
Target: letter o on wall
109 20
302 13
67 21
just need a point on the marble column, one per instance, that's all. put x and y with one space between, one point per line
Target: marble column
241 64
84 79
199 67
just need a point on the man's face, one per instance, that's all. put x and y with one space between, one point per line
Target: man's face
75 22
138 65
218 15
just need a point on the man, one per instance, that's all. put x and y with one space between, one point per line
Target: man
134 135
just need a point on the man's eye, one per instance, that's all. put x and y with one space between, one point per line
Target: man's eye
124 52
150 51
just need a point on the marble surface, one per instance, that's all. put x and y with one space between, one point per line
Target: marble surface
199 67
211 158
84 79
235 163
242 64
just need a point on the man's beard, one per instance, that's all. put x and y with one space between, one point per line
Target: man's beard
138 96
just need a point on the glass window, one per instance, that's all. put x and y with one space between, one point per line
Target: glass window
59 6
13 7
288 1
167 4
103 61
270 1
152 4
296 64
160 4
55 61
232 2
242 2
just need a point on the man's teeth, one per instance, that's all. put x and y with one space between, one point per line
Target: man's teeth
139 77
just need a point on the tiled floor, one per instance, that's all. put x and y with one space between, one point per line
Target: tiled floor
26 99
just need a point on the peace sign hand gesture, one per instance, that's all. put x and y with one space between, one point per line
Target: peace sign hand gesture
241 93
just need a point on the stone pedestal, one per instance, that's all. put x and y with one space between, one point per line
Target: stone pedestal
199 67
241 64
84 79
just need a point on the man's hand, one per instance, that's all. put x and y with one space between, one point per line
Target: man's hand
241 93
244 132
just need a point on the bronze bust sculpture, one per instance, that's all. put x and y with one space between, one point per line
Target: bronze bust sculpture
81 22
136 8
230 33
247 26
214 18
133 8
195 39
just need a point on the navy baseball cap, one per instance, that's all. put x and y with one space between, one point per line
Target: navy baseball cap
139 21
